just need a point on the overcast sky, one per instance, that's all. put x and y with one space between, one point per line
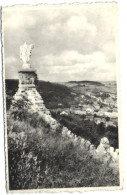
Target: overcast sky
71 42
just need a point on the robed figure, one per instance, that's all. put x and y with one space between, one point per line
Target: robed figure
25 52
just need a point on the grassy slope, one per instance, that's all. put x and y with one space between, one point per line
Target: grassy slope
44 159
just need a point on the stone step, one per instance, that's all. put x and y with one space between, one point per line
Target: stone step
34 94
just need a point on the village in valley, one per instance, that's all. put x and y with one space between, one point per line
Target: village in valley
97 101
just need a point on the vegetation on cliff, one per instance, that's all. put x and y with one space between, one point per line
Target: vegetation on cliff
88 129
41 158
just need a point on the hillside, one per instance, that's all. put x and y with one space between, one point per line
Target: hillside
40 158
53 94
86 82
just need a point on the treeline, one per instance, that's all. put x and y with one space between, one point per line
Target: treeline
86 82
88 129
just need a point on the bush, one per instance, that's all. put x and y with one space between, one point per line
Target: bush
40 158
88 129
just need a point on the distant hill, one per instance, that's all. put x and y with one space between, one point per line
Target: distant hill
53 94
86 82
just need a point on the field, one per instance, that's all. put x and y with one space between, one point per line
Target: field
94 87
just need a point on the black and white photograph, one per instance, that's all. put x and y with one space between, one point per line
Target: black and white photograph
61 108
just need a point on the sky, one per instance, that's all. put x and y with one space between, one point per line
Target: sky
71 42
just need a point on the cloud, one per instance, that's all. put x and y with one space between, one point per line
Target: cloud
70 42
10 60
71 57
11 68
17 20
79 24
74 65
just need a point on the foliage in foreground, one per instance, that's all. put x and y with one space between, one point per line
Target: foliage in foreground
40 158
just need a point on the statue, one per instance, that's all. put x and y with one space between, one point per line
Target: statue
25 53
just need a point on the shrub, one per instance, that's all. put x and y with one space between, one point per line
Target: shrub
88 129
40 158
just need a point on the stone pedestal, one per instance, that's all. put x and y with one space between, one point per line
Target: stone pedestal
26 66
27 79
